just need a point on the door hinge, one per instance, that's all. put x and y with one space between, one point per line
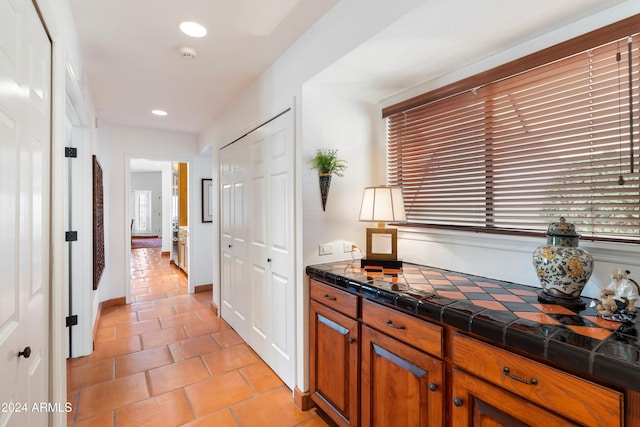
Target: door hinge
71 236
72 320
70 152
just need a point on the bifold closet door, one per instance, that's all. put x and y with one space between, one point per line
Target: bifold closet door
264 303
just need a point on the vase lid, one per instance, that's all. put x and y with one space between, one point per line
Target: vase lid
562 228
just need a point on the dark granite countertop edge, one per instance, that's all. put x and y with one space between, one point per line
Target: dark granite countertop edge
616 360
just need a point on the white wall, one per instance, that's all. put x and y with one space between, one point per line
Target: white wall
346 125
201 247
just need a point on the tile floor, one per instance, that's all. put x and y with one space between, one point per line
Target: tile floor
166 360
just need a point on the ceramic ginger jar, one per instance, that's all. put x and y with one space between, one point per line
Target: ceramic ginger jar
563 268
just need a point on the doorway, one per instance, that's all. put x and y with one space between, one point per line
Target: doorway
158 205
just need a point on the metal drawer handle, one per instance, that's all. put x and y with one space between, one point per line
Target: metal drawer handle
506 371
327 297
391 324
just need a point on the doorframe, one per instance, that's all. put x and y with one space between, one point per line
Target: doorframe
127 213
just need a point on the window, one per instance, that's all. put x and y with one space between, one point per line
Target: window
141 205
544 140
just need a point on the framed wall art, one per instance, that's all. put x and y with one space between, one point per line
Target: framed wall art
207 200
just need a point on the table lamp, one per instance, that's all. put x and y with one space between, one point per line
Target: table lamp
382 204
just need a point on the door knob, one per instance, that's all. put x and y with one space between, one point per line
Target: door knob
26 352
269 260
229 245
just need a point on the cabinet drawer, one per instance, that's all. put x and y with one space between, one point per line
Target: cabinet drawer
415 332
580 400
341 301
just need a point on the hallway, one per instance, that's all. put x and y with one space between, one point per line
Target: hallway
166 360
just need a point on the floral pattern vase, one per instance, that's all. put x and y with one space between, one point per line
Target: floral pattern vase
562 267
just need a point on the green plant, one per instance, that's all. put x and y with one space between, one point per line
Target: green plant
327 161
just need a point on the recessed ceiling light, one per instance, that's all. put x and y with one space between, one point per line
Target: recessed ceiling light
159 112
193 29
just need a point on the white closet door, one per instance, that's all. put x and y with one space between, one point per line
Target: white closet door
233 230
25 148
271 252
269 267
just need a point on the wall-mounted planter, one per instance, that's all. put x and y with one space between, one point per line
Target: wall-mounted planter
327 163
325 183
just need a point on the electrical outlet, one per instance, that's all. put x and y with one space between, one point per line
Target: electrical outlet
325 249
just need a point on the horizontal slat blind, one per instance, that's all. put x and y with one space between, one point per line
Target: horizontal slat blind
519 153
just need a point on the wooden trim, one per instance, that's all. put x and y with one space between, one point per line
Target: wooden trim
213 307
115 302
302 400
597 37
203 288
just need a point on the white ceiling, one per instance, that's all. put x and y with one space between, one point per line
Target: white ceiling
130 53
130 49
437 40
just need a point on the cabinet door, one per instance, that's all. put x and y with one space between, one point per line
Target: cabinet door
401 386
478 403
334 364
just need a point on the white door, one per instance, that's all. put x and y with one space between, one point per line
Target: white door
257 232
271 246
25 145
233 230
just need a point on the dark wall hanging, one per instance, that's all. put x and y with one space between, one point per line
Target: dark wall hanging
98 223
207 200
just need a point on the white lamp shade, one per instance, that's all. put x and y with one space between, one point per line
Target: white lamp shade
382 204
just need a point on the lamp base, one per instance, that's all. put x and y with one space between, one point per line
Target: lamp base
384 263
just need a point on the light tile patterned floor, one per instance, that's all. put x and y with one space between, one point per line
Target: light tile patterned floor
166 360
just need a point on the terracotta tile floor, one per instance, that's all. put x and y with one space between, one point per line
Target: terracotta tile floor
166 360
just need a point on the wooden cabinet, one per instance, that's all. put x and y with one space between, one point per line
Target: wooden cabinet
503 388
373 365
401 383
478 403
334 353
401 386
373 378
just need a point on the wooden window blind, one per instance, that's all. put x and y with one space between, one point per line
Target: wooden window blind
515 154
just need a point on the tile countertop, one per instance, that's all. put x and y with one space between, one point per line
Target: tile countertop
502 312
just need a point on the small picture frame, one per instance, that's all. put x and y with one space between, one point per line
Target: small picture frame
207 200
